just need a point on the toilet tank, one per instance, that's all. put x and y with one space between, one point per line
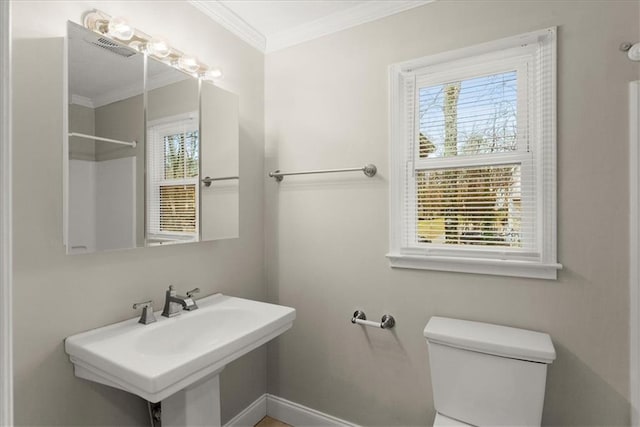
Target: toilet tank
488 375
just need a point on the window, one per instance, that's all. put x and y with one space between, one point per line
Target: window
473 159
173 180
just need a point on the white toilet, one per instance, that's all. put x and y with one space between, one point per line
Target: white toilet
487 375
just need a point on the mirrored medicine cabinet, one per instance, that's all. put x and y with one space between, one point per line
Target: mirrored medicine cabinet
151 154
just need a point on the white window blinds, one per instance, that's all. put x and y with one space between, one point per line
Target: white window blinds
473 159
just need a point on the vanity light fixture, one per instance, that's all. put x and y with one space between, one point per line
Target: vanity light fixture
118 29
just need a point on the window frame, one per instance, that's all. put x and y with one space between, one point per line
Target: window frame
532 53
156 131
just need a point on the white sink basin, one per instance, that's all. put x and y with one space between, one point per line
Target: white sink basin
157 360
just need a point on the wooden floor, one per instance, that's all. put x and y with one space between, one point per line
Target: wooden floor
271 422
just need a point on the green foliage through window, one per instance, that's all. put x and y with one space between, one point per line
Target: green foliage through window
470 206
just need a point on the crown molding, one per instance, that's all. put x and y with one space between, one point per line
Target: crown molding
361 14
117 95
166 78
232 22
153 82
82 100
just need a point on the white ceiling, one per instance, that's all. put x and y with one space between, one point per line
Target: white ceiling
271 25
273 17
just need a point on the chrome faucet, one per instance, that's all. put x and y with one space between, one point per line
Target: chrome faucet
174 304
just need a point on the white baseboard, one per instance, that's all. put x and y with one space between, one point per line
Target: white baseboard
251 415
300 416
286 411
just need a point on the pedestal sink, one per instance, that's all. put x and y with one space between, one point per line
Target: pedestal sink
177 360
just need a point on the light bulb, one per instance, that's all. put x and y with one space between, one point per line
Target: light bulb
95 21
213 74
158 48
137 45
120 29
188 64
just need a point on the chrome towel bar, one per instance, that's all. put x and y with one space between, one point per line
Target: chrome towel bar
359 318
369 170
207 180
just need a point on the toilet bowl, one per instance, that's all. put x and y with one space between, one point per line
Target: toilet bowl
487 375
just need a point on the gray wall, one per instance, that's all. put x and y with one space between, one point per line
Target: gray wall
82 119
327 236
57 295
124 120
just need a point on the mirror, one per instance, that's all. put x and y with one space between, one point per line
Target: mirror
130 182
105 170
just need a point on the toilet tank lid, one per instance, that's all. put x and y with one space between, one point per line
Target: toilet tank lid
492 339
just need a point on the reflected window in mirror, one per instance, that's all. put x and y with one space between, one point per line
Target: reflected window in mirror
173 156
173 180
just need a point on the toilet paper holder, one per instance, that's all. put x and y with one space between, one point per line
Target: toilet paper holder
359 318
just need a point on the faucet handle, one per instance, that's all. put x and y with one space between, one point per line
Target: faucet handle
144 304
147 312
193 291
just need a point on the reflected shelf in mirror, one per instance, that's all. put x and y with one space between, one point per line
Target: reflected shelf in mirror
101 139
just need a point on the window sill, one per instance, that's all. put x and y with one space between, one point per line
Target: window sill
495 267
162 239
